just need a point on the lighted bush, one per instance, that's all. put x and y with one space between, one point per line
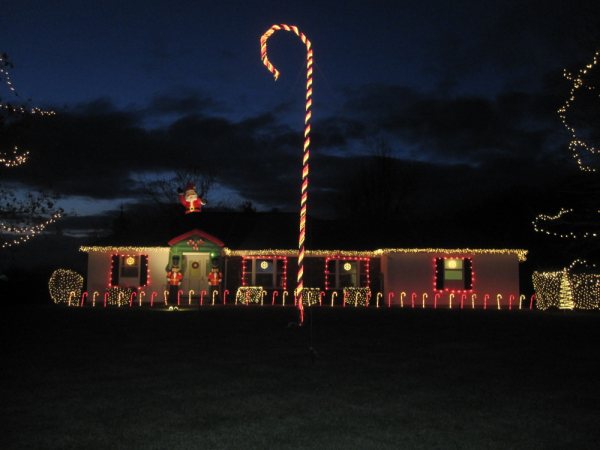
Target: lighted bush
357 296
586 290
566 290
118 296
311 296
249 294
65 287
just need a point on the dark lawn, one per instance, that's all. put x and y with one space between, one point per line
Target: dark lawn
241 378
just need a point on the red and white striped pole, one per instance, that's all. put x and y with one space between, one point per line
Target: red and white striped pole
305 151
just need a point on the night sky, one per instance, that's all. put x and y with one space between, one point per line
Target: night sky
462 96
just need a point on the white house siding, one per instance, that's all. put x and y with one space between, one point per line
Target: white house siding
157 263
99 265
98 273
495 274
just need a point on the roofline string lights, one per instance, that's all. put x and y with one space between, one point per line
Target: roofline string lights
305 151
113 249
521 254
576 142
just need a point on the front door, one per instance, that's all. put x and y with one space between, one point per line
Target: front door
197 268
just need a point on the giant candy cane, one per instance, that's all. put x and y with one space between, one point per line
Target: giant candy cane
305 152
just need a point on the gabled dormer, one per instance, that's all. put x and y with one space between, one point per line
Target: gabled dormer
194 241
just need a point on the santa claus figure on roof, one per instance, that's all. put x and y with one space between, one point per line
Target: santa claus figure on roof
190 199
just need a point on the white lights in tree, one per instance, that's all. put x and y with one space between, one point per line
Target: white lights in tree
582 82
20 220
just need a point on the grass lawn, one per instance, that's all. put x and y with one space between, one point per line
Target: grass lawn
239 377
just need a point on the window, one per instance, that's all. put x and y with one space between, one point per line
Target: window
263 272
270 272
130 266
128 271
346 272
453 274
453 269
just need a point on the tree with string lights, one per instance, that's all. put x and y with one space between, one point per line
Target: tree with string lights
579 115
576 285
22 215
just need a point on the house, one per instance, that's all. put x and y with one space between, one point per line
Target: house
417 277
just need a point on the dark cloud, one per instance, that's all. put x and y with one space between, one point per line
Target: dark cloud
482 146
180 103
97 151
489 46
463 129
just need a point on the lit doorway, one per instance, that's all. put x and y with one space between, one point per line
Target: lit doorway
197 267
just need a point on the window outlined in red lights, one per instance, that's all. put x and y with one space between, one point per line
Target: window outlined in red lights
268 265
119 262
363 271
445 274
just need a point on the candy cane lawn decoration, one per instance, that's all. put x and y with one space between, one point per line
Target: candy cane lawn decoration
305 152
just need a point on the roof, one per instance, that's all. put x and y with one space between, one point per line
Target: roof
196 232
119 249
519 253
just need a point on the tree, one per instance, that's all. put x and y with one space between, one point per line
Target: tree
162 192
378 187
22 214
577 226
565 295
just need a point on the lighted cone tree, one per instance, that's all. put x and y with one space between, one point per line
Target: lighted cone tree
566 293
574 287
21 216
